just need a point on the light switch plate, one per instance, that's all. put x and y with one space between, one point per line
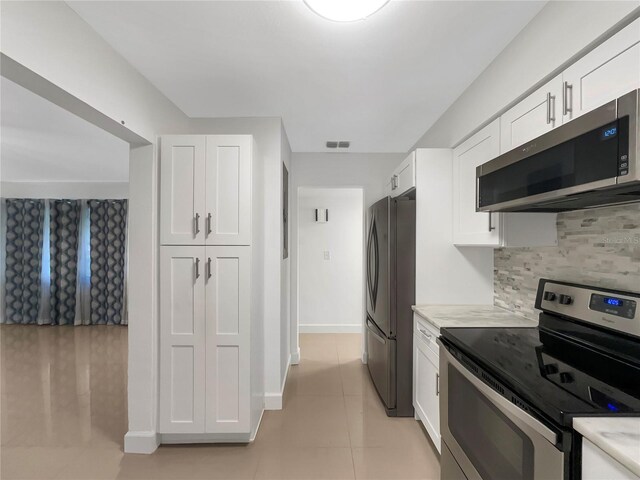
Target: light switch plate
327 255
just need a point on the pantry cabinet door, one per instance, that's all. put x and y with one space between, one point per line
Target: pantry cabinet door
228 193
228 300
182 339
607 72
537 114
471 227
182 206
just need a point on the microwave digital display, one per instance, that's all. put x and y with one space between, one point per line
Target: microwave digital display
610 131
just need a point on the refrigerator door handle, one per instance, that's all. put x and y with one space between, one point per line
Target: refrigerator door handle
377 334
369 246
377 265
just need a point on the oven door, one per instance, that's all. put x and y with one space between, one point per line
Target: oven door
488 436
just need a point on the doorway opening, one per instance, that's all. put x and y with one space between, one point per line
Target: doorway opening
63 274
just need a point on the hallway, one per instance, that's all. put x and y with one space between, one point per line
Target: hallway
64 403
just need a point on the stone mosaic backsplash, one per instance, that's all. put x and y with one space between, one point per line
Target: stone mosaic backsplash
598 247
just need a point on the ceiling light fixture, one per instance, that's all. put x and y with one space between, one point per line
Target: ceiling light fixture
345 10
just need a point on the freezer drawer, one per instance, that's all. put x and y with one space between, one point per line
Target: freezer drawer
382 363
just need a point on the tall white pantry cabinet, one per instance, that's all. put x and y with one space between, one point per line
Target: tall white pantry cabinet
211 355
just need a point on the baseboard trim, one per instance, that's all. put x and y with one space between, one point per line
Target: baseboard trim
144 442
331 328
295 357
254 434
273 401
182 438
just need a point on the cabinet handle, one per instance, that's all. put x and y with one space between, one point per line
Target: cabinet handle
437 384
209 267
394 183
197 221
209 224
491 227
550 117
425 333
197 268
567 104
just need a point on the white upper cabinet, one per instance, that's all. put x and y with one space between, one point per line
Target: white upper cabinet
403 178
228 195
604 74
471 227
219 214
182 170
537 114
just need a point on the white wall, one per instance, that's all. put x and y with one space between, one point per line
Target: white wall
561 32
445 274
286 358
41 142
48 152
369 171
50 39
69 190
330 290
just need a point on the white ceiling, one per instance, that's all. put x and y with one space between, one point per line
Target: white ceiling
380 83
42 142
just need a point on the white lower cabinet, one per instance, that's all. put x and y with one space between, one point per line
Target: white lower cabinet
182 340
205 325
598 465
426 379
227 323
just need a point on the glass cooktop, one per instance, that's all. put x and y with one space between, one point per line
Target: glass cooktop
563 370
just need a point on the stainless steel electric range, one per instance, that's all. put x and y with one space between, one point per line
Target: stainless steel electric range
510 394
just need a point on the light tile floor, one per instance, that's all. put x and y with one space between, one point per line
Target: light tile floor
64 415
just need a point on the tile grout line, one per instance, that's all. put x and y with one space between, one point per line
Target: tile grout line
346 413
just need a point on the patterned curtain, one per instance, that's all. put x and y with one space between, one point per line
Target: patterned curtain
64 234
108 220
25 226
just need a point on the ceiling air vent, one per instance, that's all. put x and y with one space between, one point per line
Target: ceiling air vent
340 144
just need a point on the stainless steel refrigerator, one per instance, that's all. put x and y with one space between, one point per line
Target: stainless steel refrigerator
390 259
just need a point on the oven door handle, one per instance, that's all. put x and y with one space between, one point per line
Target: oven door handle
502 402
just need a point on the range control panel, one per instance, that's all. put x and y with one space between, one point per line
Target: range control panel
607 308
613 305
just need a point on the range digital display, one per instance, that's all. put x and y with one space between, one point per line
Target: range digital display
616 302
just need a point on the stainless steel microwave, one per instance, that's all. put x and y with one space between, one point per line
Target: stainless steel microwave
591 161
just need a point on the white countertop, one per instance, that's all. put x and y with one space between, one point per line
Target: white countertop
618 436
442 316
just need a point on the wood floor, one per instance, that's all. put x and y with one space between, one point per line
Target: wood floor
64 415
